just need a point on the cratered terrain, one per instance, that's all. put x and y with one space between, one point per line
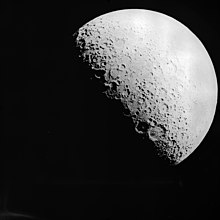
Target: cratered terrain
158 70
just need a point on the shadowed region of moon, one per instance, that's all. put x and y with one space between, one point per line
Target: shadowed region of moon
159 70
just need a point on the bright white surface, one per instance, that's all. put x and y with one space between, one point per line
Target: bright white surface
182 63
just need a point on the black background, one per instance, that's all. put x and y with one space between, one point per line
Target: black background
66 152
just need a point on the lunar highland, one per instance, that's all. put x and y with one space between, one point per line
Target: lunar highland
159 70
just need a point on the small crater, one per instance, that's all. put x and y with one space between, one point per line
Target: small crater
163 108
141 127
141 101
156 133
112 92
122 66
151 121
99 74
148 110
126 111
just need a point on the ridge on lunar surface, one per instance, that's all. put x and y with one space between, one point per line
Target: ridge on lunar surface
147 61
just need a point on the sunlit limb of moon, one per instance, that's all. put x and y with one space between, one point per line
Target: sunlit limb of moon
159 70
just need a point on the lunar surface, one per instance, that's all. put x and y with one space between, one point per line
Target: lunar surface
159 70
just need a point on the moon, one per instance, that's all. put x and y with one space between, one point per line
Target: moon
160 72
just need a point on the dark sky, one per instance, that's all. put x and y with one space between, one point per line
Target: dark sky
65 150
